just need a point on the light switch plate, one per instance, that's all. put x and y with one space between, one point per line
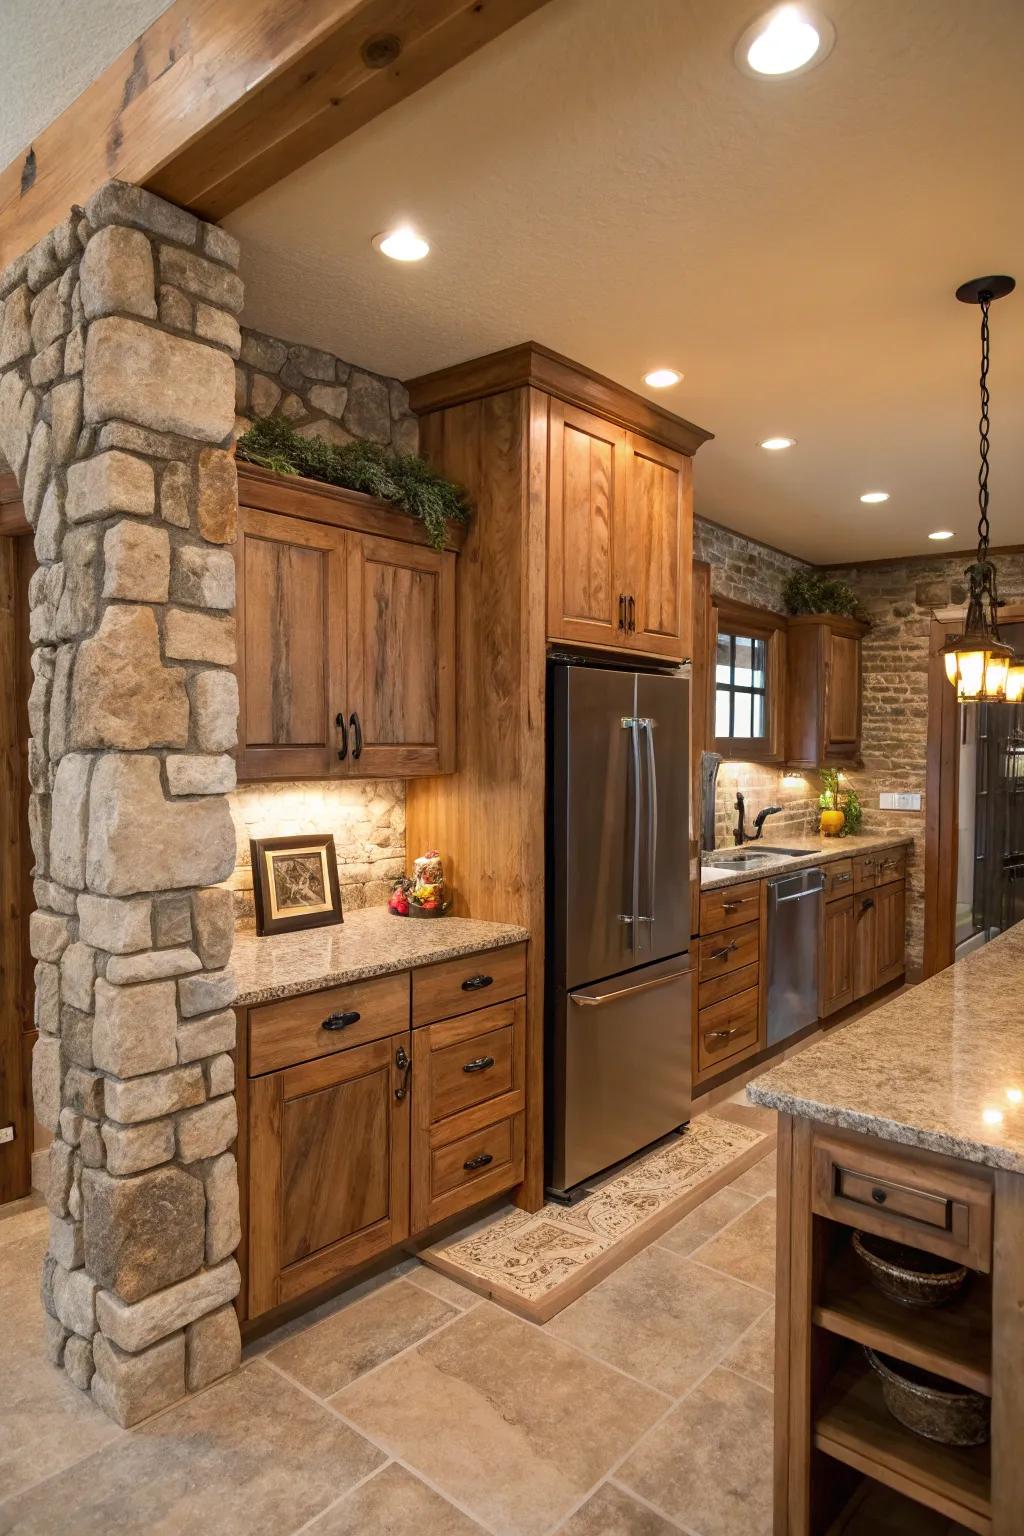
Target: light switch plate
903 800
6 1134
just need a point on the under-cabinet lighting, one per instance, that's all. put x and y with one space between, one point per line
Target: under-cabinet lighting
1015 1095
992 1116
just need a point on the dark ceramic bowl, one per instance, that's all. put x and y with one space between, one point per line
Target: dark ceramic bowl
906 1274
929 1405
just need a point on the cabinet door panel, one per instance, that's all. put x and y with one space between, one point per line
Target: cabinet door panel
837 956
291 622
843 706
585 497
328 1168
890 936
657 545
864 924
401 645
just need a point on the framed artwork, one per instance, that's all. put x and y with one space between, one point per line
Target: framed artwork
295 882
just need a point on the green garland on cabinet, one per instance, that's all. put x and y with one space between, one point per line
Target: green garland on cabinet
402 479
814 592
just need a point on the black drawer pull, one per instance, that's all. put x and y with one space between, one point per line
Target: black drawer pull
879 1196
479 1065
480 1161
477 983
340 1020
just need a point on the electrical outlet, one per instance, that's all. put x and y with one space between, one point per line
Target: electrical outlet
6 1134
903 800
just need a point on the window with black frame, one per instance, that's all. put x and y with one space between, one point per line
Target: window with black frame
741 688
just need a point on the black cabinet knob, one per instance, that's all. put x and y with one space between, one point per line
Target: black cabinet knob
878 1196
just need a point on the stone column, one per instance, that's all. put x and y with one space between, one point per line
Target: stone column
117 340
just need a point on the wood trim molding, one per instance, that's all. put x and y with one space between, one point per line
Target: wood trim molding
295 496
839 623
531 365
218 99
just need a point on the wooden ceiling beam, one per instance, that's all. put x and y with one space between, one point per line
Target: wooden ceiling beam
219 99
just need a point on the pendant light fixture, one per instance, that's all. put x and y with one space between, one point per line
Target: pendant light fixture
978 662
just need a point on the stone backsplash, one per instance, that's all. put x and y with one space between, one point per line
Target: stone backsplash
322 395
741 568
796 793
366 819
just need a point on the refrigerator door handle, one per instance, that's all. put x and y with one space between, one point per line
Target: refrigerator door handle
633 726
589 1000
652 825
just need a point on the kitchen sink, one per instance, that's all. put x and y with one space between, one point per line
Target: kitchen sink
745 859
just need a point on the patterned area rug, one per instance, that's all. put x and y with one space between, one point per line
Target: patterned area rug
536 1264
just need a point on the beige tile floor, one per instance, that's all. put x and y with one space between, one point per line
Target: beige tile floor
412 1406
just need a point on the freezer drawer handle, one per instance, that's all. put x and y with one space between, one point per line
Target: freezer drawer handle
724 952
479 1065
588 1000
480 1161
477 983
341 1020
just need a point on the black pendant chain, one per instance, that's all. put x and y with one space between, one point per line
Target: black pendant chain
983 426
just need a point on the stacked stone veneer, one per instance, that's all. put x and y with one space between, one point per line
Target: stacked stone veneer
321 395
117 344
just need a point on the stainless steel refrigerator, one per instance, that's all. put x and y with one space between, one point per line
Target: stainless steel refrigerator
618 974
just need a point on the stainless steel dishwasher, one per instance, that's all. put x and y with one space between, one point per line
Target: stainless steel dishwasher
794 944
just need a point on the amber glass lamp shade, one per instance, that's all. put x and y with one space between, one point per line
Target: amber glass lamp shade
1015 681
978 667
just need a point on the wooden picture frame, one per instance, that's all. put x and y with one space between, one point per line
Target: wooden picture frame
295 883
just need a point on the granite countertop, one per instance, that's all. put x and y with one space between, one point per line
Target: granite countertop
819 849
941 1066
369 942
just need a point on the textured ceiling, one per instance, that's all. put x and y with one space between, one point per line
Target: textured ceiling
604 180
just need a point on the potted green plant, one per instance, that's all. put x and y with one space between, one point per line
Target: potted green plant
812 591
841 810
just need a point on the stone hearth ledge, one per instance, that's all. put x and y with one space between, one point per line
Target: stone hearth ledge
370 942
939 1067
819 850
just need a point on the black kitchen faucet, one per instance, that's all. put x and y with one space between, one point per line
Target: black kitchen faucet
739 836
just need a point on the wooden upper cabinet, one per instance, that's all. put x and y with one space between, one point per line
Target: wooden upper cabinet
401 657
291 645
346 651
656 540
586 493
823 711
620 537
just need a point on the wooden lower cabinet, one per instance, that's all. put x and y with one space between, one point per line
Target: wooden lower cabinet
890 928
328 1168
360 1130
836 975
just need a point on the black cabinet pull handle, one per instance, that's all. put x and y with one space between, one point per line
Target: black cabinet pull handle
480 1161
339 721
403 1061
341 1020
479 1065
632 614
357 750
878 1196
477 983
622 610
722 954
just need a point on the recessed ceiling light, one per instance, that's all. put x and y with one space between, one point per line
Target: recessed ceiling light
776 444
872 496
785 41
941 533
402 244
662 378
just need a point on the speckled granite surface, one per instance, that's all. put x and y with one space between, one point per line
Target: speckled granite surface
368 943
941 1066
819 850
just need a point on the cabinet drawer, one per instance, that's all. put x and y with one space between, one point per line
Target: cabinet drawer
890 865
469 1071
838 878
727 1030
864 872
718 988
471 1157
474 981
320 1023
731 907
722 953
908 1198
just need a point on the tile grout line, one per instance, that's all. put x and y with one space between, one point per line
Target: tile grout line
308 1524
611 1471
373 1441
685 1530
724 1274
121 1434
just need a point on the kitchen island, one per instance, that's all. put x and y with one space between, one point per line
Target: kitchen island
908 1124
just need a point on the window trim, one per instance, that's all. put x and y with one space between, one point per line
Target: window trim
734 618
